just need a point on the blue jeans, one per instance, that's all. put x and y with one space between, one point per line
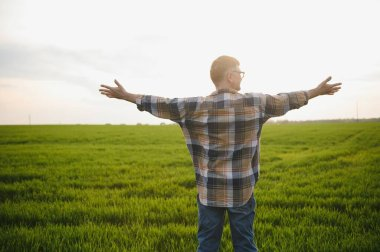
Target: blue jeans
211 222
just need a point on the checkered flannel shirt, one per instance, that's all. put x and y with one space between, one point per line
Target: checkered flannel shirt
222 133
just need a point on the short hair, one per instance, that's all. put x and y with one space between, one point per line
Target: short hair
220 66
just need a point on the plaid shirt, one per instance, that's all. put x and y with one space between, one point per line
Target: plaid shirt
222 133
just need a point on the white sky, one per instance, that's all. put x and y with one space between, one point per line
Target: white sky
55 54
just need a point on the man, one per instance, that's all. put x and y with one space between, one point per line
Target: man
222 134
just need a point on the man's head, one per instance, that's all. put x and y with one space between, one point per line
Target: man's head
225 73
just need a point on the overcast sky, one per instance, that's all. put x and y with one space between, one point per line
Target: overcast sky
55 54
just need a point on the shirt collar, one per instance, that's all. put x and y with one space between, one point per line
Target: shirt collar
224 90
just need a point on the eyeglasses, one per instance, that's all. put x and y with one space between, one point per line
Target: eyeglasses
241 74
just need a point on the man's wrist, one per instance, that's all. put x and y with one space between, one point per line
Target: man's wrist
131 97
128 97
313 93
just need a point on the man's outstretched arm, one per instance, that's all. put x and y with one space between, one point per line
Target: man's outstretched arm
278 105
172 109
118 92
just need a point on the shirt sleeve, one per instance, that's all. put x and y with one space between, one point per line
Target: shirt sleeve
280 104
172 109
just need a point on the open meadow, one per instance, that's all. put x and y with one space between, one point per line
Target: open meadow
132 188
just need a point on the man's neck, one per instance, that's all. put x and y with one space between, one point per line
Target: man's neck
223 85
224 90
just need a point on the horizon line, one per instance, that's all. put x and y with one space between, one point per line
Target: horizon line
270 121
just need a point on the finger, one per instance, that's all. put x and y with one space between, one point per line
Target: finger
336 84
333 91
327 79
117 83
105 86
106 90
106 93
336 87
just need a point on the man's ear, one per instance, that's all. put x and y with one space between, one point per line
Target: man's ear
228 76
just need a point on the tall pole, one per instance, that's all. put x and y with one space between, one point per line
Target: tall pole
357 111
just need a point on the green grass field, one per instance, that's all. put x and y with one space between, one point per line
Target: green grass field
132 188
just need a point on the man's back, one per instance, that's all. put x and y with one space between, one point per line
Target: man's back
222 134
